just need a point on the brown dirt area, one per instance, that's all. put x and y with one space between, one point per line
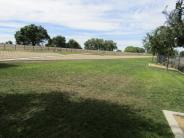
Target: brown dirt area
18 55
180 120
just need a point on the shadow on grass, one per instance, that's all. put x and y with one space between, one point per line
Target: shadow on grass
7 65
59 115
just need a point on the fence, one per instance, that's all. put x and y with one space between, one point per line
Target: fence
176 62
63 50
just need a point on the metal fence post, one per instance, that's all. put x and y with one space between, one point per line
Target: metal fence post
179 60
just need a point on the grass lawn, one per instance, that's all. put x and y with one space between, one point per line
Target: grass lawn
88 99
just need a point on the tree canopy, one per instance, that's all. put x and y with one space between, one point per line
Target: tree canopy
160 41
73 44
133 49
9 42
175 21
31 35
164 39
100 44
37 35
58 41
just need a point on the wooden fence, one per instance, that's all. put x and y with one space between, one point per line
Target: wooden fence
57 49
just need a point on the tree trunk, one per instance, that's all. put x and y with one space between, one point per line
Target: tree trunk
168 58
153 58
158 57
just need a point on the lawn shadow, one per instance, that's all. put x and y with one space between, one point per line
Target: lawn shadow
57 114
7 65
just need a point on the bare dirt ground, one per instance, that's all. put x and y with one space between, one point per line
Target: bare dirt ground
180 121
161 66
19 55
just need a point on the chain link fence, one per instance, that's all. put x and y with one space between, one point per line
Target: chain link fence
176 62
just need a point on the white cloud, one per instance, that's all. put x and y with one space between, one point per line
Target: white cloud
4 38
112 18
124 43
62 12
10 24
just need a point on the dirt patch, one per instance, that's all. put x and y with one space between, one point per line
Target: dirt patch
18 55
161 66
180 120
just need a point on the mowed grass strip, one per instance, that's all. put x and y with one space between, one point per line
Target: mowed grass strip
88 99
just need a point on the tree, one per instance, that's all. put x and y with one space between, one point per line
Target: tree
141 50
73 44
133 49
31 35
9 42
146 44
94 44
162 43
100 44
164 39
176 23
110 45
58 41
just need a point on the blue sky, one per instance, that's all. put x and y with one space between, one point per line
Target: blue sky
124 21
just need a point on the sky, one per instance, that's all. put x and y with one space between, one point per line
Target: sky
124 21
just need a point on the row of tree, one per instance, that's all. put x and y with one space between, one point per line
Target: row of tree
37 35
60 41
164 39
100 44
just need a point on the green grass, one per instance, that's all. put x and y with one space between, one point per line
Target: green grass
88 99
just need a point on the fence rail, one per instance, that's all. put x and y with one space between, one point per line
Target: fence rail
57 49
